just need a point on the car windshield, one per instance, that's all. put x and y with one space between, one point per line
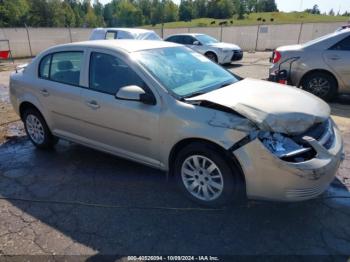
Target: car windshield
205 39
183 72
148 36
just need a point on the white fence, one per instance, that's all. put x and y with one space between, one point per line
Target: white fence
25 42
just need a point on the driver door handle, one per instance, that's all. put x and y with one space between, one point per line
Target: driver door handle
92 104
334 57
44 92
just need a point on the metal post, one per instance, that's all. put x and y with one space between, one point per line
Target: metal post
221 34
30 46
301 29
162 32
257 38
70 34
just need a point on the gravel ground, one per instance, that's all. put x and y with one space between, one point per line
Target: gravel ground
76 201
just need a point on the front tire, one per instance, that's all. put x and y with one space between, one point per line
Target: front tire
205 177
37 129
321 84
211 56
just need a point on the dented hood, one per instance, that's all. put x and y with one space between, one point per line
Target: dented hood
272 107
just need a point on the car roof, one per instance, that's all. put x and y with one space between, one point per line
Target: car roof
191 34
131 30
125 45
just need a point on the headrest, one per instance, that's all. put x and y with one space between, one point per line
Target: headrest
65 65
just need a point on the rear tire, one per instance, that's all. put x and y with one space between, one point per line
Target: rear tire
212 56
204 176
321 84
37 129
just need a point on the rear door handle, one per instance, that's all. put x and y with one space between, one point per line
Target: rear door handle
334 58
44 92
93 104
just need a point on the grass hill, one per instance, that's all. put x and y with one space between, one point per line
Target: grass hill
258 18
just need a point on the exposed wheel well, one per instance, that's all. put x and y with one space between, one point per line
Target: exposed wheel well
230 159
211 52
24 106
318 71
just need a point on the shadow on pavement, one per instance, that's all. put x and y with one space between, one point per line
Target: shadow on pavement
75 173
232 66
341 106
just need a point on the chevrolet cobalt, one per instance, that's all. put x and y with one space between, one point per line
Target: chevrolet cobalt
166 106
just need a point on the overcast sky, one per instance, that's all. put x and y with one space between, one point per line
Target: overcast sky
297 5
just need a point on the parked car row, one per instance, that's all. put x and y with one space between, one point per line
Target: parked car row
320 66
219 52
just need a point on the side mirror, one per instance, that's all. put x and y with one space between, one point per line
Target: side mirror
196 43
135 93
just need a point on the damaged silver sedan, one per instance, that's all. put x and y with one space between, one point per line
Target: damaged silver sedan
166 106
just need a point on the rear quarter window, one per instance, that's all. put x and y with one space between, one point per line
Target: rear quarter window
44 67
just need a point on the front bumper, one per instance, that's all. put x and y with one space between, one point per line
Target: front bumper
268 177
228 57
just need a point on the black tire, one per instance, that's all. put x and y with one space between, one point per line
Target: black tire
232 182
328 92
48 140
212 56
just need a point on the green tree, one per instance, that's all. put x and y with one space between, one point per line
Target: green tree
266 6
200 8
314 10
221 9
13 12
186 10
69 15
108 14
170 11
157 15
56 15
39 14
128 14
146 8
251 5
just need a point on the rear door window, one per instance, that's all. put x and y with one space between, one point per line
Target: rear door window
188 40
44 67
63 67
174 39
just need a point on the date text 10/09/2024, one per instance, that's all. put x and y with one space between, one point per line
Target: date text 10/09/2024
173 258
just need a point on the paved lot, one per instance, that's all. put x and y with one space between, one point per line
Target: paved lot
74 200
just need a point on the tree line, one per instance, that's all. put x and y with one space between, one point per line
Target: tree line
87 13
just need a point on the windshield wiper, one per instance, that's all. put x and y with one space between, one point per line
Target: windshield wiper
194 94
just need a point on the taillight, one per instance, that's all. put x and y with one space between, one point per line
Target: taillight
276 57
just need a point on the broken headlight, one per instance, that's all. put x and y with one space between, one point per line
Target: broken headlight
280 145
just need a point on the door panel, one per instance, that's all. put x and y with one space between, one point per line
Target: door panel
338 58
339 61
125 127
58 83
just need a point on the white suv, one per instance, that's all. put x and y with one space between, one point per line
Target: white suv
123 33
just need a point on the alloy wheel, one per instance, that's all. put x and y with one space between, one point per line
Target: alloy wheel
202 178
319 86
35 129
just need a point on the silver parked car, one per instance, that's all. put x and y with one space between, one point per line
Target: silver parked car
123 33
219 52
166 106
321 66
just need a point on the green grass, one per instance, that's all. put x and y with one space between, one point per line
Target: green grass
251 19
